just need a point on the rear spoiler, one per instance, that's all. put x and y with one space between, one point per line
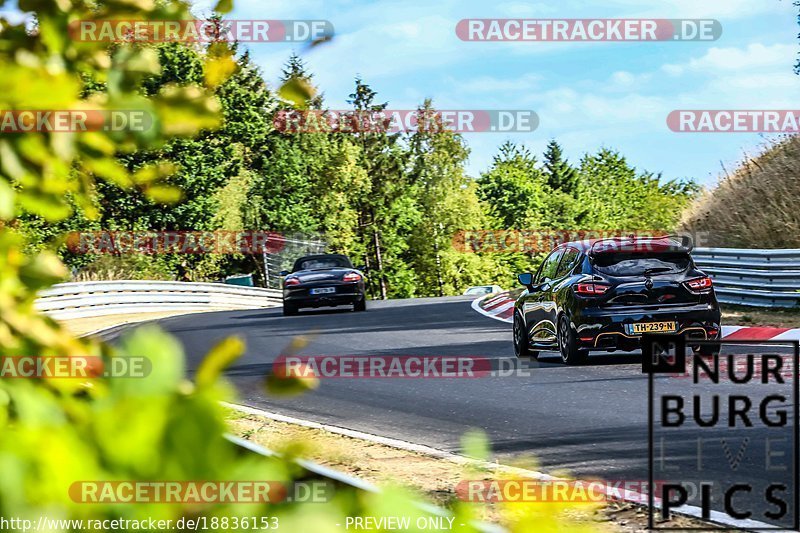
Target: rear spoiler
632 243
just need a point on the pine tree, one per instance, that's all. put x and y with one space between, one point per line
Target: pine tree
296 68
382 159
560 175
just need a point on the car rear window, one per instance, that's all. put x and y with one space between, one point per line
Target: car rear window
638 264
322 262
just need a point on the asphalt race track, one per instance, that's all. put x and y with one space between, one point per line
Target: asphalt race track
589 420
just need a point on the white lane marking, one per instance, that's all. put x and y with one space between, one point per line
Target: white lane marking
500 309
730 330
791 335
630 496
495 298
476 306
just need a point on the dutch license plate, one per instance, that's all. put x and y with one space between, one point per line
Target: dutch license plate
651 327
323 290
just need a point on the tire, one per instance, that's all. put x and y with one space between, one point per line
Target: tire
289 309
522 345
568 344
360 305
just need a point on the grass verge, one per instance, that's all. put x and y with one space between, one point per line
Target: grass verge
737 315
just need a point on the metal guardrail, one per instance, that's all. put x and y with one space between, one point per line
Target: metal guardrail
97 298
762 278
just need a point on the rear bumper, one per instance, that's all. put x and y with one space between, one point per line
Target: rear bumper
604 329
304 299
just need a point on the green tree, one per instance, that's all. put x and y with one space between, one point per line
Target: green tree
616 197
514 189
560 175
381 157
447 203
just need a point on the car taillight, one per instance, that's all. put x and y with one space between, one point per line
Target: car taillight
590 289
291 281
699 284
352 276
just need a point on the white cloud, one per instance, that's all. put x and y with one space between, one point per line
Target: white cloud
756 56
716 9
490 84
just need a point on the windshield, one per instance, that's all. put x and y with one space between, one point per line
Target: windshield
319 263
639 264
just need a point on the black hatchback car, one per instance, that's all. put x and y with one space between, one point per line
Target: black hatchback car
323 280
604 294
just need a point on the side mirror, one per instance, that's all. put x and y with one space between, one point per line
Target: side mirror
526 279
362 268
283 273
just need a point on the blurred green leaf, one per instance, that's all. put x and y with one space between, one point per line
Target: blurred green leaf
163 194
282 385
224 6
166 359
298 91
184 111
7 197
218 70
43 270
218 359
475 444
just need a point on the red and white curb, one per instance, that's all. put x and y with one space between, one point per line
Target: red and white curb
500 306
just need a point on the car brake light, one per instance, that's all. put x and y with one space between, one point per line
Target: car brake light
291 281
590 289
352 276
699 284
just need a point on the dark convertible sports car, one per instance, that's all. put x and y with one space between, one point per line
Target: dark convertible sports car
604 294
323 280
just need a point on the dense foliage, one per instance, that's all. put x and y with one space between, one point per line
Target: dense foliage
392 201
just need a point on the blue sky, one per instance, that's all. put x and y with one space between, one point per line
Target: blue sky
587 95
